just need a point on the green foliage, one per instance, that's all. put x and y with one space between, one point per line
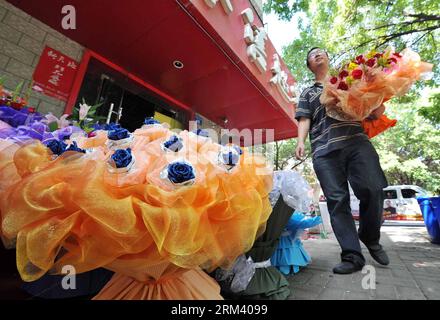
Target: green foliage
285 9
284 152
53 126
347 28
284 158
90 119
410 151
28 92
16 92
432 112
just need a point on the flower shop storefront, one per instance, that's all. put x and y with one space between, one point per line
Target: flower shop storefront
175 60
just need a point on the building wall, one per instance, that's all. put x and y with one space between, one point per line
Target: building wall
22 40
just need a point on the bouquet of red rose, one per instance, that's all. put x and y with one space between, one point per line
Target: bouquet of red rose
13 99
362 85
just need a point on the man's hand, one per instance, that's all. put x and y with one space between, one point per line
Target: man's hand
377 113
300 150
303 129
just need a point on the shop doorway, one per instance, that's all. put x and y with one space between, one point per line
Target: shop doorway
124 101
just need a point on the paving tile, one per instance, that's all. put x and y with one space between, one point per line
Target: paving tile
407 293
431 289
320 279
300 278
305 292
413 272
356 295
331 294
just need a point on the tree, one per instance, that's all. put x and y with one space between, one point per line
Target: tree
410 152
284 158
350 27
432 112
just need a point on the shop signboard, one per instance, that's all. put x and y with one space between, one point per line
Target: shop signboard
54 74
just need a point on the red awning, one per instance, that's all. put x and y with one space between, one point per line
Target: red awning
145 37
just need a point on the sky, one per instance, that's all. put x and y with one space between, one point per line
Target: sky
281 33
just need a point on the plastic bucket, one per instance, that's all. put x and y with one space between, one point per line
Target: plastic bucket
431 215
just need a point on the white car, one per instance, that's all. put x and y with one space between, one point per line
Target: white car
400 203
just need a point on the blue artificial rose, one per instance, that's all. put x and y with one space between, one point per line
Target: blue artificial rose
173 144
106 126
122 158
57 147
112 126
179 172
118 134
230 158
202 133
151 121
74 147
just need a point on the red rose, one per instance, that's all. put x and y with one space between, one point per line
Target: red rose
360 59
31 110
343 86
356 74
16 105
333 80
343 74
392 60
397 54
370 62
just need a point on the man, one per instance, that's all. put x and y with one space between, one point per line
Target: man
389 208
342 152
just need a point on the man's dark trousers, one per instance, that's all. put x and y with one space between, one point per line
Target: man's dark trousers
359 164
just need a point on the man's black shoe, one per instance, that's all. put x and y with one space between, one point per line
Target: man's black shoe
379 254
346 267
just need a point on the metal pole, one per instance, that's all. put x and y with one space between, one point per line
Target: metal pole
109 115
119 113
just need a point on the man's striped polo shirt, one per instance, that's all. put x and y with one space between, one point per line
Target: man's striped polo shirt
326 134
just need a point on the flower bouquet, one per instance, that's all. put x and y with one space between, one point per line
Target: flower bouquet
362 85
85 116
13 99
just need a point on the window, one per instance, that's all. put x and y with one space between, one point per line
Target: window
420 192
390 194
408 193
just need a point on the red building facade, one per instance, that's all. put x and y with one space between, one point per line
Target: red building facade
181 59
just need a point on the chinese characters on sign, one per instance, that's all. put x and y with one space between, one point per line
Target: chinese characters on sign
54 74
226 4
255 38
279 80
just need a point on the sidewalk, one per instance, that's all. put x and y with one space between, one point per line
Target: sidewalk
413 273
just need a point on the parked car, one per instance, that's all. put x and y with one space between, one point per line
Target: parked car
400 203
